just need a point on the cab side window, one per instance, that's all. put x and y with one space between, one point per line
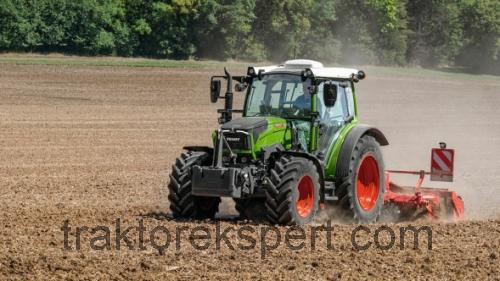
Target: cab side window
350 101
333 118
339 111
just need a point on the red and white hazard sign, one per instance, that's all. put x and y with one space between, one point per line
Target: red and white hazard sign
442 164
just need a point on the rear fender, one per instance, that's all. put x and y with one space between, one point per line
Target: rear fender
343 160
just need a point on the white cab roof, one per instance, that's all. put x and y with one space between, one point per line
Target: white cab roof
317 68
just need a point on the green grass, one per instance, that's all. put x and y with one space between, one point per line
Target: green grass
57 59
31 59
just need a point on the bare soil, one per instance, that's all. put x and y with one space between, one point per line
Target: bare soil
91 145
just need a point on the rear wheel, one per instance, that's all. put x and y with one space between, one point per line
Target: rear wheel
391 213
293 194
361 193
182 203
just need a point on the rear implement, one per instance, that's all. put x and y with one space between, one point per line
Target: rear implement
408 203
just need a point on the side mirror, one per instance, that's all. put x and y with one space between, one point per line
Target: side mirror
329 94
361 75
214 90
358 76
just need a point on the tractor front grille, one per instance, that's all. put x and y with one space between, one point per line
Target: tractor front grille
237 140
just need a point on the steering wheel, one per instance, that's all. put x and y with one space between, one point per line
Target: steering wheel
296 110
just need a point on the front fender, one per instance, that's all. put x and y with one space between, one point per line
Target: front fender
206 149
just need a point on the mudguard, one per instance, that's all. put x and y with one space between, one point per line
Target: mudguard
350 142
206 149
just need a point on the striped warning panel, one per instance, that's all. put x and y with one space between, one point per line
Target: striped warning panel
442 164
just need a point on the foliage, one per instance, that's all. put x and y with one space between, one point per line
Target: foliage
394 32
372 31
481 49
320 42
437 32
223 29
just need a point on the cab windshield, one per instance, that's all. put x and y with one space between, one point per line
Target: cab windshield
283 95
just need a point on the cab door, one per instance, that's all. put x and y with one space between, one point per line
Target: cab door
332 119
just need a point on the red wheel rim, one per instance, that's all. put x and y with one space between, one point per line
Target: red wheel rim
305 202
368 182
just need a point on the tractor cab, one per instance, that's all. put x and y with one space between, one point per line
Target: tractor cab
310 102
292 149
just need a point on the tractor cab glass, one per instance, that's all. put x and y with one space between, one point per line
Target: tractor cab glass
283 95
333 118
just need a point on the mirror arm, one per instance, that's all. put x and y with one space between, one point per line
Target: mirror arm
227 115
227 112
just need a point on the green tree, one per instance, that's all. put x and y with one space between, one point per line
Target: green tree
282 26
90 27
421 32
481 50
161 28
436 32
321 42
52 24
223 30
390 31
373 31
18 26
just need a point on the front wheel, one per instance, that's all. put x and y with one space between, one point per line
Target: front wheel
361 192
182 203
293 194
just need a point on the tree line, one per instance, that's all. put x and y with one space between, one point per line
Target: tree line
390 32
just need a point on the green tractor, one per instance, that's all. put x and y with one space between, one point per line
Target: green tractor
297 148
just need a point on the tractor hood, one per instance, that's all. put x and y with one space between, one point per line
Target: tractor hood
264 131
246 123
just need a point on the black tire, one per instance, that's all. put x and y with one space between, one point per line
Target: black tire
252 209
364 211
283 193
182 203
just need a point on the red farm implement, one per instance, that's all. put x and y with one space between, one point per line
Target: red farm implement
406 203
